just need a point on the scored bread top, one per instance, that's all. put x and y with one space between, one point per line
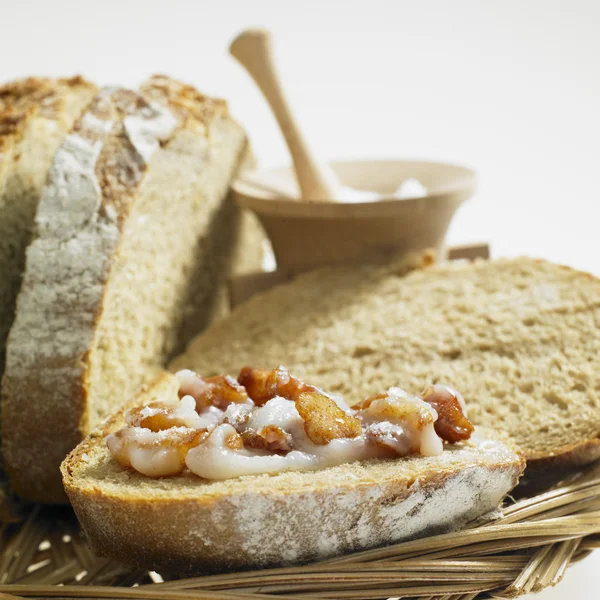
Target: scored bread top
186 525
518 337
191 107
24 98
85 231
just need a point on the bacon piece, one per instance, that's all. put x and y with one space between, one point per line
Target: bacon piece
411 412
366 403
161 415
219 391
324 420
234 441
263 384
452 424
123 442
270 437
391 437
158 421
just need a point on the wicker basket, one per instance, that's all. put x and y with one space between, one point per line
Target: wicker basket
525 549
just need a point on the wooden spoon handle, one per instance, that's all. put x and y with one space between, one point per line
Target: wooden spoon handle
253 49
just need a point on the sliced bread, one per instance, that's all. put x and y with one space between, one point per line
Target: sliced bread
186 525
136 233
35 116
520 338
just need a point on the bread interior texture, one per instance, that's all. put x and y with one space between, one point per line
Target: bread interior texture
166 282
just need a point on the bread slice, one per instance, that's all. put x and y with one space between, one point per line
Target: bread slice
519 337
135 237
186 525
35 115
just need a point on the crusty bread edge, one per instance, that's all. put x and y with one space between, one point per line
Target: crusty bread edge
574 455
13 121
20 392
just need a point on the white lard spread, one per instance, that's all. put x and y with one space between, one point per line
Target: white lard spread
209 442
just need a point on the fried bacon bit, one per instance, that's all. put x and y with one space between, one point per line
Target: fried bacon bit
219 391
390 437
120 449
183 442
194 439
452 424
239 418
263 384
234 441
366 403
271 438
324 420
418 416
161 417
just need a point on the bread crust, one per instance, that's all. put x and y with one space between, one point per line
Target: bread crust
574 455
46 387
23 99
264 521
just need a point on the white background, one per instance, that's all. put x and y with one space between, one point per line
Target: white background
511 88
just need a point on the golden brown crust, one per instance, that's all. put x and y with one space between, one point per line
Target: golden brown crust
575 455
120 168
24 98
18 101
192 107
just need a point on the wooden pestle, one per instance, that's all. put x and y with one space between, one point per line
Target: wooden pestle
253 49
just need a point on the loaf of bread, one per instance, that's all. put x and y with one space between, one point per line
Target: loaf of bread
185 525
518 337
35 116
136 234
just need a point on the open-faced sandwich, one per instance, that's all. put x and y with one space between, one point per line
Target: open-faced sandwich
262 470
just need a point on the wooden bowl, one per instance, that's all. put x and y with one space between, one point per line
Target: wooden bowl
305 235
